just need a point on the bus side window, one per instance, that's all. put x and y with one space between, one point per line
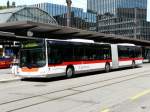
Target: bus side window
123 52
78 53
88 53
138 52
68 53
131 52
107 52
54 55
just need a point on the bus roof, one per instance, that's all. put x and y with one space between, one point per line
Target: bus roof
126 44
81 40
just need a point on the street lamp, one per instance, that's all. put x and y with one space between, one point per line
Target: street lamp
69 2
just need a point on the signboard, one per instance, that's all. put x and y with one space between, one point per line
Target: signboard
32 43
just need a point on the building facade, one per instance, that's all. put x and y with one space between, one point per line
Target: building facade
79 18
121 17
111 6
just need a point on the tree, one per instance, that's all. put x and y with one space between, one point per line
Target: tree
8 4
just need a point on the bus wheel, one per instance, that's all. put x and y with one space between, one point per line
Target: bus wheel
133 64
107 67
69 72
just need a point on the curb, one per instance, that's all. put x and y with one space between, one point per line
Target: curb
9 80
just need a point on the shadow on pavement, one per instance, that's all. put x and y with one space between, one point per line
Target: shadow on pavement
76 76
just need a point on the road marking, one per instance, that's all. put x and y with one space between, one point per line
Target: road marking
105 110
140 95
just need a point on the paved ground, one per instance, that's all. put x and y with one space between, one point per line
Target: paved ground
118 91
7 76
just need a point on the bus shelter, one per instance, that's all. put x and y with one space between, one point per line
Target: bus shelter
29 30
18 31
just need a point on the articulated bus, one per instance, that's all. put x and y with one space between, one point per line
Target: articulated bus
51 58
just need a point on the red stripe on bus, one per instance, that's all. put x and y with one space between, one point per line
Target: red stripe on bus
80 62
130 59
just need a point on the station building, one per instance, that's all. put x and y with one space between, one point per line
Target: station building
10 48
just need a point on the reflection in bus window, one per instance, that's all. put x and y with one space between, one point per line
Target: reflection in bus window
32 57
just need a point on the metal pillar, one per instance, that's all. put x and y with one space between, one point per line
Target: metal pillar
135 23
69 2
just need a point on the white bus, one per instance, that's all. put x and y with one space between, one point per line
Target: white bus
52 58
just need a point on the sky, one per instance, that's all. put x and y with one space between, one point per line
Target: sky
75 3
148 12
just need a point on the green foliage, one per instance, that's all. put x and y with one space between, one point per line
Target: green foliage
2 7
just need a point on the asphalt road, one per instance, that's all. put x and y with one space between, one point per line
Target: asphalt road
125 90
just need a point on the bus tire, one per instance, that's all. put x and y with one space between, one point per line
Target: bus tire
107 67
133 64
69 72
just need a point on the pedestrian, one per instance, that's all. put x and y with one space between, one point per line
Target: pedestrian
14 66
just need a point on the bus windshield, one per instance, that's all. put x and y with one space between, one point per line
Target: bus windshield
33 57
